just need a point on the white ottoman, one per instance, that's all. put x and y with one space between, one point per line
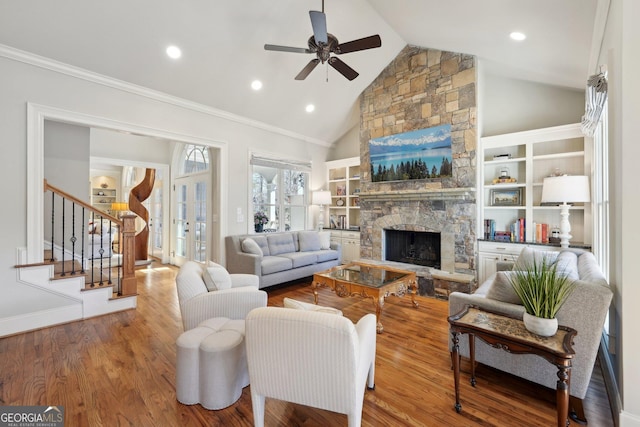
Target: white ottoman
211 363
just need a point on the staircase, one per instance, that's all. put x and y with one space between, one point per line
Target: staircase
73 283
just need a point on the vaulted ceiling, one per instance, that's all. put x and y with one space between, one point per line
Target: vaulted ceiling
222 43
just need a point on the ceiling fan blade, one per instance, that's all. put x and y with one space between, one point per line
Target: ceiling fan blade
319 24
343 68
360 44
287 48
307 69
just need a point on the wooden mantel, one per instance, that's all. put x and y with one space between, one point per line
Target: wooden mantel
467 193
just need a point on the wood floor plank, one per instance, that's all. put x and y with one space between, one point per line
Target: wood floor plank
119 369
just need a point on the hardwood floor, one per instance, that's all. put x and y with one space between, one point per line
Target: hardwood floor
119 370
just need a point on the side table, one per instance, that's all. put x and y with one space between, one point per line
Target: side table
509 334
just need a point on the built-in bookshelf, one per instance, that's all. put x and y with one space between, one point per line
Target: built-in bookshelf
343 180
511 169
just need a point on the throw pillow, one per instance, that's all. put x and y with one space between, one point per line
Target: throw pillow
325 239
216 278
567 265
501 289
309 241
528 257
250 246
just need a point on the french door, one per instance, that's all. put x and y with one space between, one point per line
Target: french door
155 221
191 219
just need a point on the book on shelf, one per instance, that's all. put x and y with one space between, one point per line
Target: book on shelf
489 229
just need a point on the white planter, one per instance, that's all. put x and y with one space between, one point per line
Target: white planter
539 325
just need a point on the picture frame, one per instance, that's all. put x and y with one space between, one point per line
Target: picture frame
341 190
506 197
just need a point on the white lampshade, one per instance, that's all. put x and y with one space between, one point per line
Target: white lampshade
321 197
565 189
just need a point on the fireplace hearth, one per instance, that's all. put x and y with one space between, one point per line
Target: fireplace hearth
413 247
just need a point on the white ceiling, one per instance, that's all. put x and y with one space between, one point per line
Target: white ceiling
222 43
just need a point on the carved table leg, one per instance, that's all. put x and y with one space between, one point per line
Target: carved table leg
314 288
379 306
562 395
413 288
455 359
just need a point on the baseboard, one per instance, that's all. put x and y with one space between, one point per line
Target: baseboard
40 319
610 383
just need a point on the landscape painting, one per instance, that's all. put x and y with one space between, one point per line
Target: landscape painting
419 154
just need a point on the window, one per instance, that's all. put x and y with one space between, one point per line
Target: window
196 159
279 194
600 193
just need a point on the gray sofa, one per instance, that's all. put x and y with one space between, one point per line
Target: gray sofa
585 311
281 257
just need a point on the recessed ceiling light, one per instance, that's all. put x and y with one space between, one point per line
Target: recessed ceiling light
517 36
174 52
310 108
256 85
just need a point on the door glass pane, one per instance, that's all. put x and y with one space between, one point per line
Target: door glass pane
200 229
181 221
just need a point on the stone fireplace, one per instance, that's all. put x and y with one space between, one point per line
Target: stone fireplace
423 88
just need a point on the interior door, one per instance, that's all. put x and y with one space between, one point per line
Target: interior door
190 220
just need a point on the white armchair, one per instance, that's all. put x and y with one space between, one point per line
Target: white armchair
237 295
311 358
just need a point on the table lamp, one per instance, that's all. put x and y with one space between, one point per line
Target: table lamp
321 198
565 189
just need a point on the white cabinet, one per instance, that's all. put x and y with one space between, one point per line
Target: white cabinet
527 157
343 180
490 253
350 242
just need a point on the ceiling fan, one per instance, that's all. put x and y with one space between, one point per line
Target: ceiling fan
323 44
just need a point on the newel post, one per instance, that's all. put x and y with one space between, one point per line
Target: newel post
129 286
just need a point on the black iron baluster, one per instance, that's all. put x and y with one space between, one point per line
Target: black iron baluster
82 270
101 250
73 238
93 241
63 220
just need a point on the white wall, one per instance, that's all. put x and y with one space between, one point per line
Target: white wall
66 91
132 148
619 53
510 105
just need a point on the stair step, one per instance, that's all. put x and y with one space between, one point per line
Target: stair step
69 265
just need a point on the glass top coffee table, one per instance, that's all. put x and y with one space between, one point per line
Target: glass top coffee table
367 281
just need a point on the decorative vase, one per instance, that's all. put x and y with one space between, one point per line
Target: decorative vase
258 228
540 326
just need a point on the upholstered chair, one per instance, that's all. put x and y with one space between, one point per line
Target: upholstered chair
310 358
207 291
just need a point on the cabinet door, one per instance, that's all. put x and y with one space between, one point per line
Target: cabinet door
487 265
350 250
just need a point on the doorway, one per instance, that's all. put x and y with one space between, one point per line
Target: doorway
190 219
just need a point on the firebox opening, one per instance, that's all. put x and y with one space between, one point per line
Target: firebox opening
412 247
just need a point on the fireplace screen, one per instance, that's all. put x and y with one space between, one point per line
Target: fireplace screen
412 247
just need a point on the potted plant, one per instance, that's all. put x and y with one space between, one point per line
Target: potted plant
542 289
259 220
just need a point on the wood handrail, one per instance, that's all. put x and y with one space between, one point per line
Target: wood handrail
74 199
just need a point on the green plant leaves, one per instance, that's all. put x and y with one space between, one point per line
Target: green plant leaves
541 288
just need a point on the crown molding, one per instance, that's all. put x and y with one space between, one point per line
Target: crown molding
80 73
